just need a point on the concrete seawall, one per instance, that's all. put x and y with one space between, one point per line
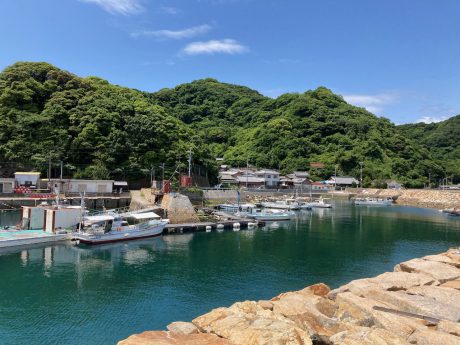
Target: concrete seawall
94 203
219 195
418 303
438 199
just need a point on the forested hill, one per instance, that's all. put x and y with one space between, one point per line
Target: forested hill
97 129
442 139
102 130
295 129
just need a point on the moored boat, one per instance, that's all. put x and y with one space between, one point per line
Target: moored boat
288 204
373 201
269 215
235 207
452 211
320 203
113 227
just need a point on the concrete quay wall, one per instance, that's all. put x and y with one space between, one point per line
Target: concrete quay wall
438 199
417 303
94 203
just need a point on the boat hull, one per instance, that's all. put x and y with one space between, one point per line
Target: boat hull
314 205
280 206
370 203
94 239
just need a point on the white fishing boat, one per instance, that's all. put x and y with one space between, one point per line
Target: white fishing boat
320 203
235 207
373 201
288 204
268 215
113 227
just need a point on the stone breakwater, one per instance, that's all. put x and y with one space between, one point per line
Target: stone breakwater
438 199
418 303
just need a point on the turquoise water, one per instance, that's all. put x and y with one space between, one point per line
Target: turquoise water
13 234
61 294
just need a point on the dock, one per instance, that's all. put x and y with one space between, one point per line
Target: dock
29 237
213 226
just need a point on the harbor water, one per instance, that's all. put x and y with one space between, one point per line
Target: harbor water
63 294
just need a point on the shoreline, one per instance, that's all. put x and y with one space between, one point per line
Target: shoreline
417 303
434 199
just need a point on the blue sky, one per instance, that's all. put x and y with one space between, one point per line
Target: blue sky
398 58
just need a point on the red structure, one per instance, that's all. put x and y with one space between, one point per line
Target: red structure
185 181
166 187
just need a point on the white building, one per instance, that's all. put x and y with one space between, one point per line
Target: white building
27 179
6 185
343 181
77 186
271 177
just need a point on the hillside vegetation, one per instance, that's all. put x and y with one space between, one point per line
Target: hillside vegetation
97 129
442 139
102 130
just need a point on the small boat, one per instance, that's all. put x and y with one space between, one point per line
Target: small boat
373 201
268 215
114 227
288 204
452 211
318 204
235 207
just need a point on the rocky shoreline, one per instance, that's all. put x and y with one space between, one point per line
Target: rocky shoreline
418 303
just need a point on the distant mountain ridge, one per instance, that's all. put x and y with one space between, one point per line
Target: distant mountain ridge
103 130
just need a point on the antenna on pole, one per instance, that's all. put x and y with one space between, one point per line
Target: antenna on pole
190 162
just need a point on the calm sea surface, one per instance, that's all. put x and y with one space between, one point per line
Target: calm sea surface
63 294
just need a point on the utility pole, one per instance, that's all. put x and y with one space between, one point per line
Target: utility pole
335 177
152 175
49 173
429 180
361 181
163 167
190 162
61 171
247 171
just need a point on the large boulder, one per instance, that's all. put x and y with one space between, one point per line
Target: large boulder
367 336
392 281
416 304
168 338
179 209
438 270
247 323
180 327
454 284
431 337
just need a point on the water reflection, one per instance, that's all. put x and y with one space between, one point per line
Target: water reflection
66 293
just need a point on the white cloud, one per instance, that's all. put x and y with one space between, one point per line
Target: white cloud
225 46
177 35
169 10
153 63
125 7
373 103
429 119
